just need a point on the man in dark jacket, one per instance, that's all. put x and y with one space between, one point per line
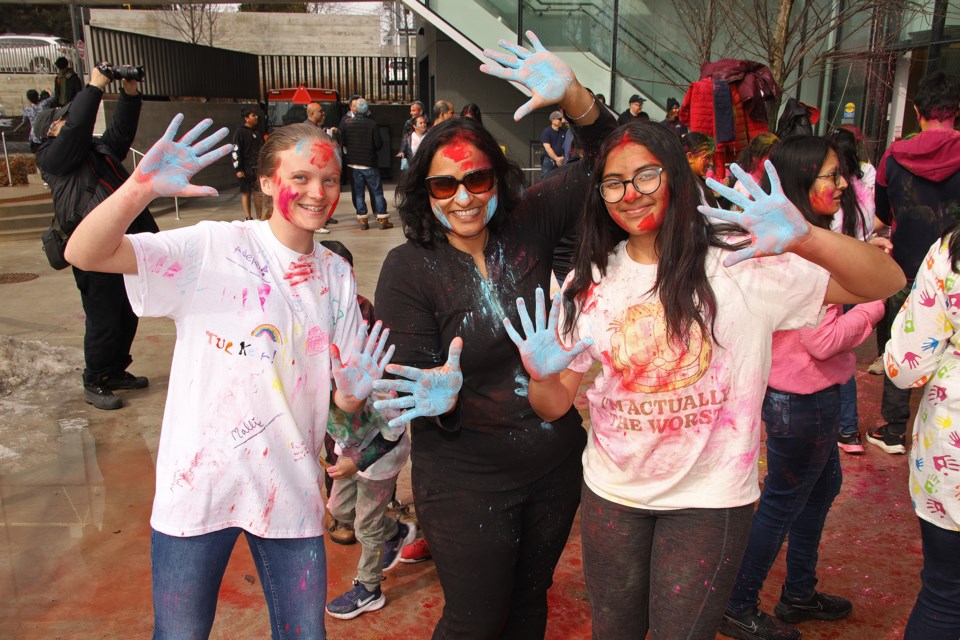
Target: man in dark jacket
247 141
82 172
67 84
361 141
918 193
634 112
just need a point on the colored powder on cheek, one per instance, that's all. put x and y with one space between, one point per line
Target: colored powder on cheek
284 198
491 208
438 213
651 222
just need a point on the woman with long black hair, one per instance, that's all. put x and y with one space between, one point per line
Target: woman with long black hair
681 321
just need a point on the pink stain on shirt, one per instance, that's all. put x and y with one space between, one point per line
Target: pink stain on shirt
243 298
173 270
263 291
318 341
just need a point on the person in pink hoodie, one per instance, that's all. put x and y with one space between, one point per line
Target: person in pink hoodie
801 412
918 194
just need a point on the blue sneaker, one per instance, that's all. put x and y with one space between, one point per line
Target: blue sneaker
356 601
406 533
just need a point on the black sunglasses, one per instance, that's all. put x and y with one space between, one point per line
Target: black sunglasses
477 182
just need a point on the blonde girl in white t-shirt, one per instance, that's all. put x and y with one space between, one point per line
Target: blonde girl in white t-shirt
681 322
262 314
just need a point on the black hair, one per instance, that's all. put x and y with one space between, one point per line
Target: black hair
33 96
759 148
246 111
845 144
798 161
471 110
938 96
338 248
682 243
61 63
420 225
696 142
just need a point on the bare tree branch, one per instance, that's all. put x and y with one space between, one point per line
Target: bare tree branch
194 22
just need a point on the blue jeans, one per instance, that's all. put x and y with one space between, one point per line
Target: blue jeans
849 418
936 614
187 573
802 481
369 179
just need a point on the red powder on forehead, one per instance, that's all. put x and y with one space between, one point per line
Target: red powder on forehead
458 150
623 141
321 153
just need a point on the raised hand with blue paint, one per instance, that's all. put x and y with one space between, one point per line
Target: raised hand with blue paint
774 223
542 353
169 164
548 78
430 392
357 377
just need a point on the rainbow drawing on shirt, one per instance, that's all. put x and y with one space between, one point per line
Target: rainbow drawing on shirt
270 331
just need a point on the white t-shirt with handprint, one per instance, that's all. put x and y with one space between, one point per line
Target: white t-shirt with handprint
249 392
924 351
678 426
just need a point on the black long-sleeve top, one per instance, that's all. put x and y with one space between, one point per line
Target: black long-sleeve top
493 440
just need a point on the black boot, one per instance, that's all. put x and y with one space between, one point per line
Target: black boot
126 380
101 396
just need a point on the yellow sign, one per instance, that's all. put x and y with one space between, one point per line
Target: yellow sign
849 108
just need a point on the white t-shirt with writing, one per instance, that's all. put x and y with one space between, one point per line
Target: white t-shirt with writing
676 426
250 381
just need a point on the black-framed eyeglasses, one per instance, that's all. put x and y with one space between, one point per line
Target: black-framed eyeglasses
645 181
836 175
476 182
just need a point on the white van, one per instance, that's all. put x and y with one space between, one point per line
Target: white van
34 53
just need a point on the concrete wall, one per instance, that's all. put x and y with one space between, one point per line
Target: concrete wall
14 87
264 33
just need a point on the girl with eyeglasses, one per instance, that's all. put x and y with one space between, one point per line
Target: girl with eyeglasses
496 488
681 322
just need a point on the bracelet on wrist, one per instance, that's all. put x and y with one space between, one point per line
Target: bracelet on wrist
585 113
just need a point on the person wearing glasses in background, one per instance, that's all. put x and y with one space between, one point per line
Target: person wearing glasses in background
496 488
680 312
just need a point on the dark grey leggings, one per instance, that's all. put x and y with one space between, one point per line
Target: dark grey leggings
667 571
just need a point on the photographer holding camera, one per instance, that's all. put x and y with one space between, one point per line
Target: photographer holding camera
82 171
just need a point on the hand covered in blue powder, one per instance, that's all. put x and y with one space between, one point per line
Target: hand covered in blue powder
774 223
542 72
168 165
356 378
541 352
432 392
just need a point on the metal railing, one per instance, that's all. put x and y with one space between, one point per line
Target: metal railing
6 158
376 78
176 200
34 58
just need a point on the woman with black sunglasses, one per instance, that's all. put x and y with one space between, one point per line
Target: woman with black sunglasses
496 488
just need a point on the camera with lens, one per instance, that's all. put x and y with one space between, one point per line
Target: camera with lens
121 71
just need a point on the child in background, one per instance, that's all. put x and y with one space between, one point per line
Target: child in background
359 498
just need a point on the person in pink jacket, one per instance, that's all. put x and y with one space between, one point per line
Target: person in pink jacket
801 411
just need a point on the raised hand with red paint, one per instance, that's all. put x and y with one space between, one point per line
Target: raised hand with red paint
775 224
431 392
542 353
356 377
169 164
548 78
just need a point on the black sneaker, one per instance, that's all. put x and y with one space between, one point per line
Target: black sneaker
332 220
101 397
756 625
406 533
126 380
356 601
818 606
889 442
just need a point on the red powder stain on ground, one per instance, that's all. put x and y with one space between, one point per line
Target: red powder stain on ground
459 149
